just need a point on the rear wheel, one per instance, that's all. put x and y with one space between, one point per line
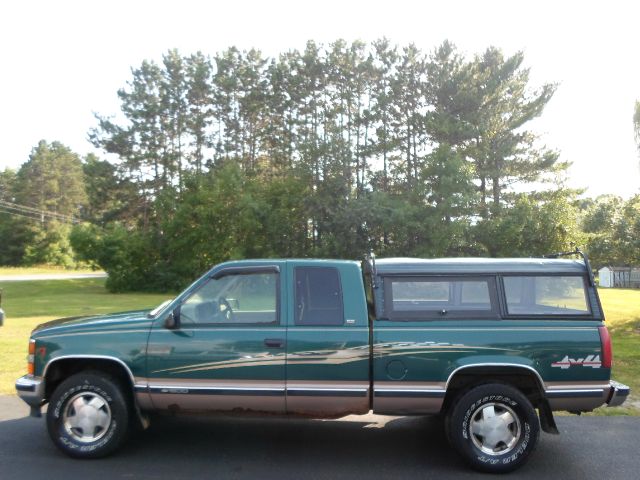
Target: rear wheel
494 427
88 415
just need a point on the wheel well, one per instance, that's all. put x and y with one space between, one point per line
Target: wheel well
60 370
521 378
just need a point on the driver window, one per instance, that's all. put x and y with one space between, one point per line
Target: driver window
233 299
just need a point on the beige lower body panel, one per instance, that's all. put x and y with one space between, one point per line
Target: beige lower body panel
333 399
327 399
141 392
203 395
415 398
218 403
315 399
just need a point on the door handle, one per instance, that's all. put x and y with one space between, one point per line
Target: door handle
274 342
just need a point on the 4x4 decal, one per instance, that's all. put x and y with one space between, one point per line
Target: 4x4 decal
592 361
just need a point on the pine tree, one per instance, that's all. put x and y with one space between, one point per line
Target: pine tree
504 152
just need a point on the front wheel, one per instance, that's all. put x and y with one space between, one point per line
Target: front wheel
494 427
88 415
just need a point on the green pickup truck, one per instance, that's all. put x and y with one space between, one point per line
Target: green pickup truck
492 345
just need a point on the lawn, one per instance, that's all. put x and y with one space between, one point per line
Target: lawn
622 314
10 271
29 303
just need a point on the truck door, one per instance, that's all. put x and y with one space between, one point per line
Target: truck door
229 350
327 340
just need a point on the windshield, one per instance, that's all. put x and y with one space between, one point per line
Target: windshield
159 308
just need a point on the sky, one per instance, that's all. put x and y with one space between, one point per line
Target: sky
65 60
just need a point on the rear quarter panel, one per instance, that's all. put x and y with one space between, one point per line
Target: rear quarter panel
413 361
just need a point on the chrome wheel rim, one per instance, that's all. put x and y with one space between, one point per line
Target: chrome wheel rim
86 417
495 428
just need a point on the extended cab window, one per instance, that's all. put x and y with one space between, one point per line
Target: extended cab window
318 296
233 299
439 297
546 295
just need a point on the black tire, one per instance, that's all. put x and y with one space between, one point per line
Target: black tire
447 427
90 401
510 438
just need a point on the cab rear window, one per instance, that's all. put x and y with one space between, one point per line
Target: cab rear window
318 296
546 295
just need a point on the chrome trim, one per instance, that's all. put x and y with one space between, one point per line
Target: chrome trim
303 328
575 390
355 390
327 393
574 393
233 390
213 326
517 365
219 391
491 329
239 389
93 357
576 385
410 390
210 382
183 387
618 393
31 390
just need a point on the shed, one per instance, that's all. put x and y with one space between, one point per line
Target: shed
619 277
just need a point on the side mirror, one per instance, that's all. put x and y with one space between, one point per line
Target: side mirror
172 321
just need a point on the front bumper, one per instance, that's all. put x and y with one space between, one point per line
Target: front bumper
618 393
31 390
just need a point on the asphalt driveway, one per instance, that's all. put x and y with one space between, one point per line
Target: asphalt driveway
367 447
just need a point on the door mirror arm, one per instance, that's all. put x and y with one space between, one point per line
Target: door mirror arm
172 321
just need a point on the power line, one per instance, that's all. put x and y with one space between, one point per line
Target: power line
27 209
19 215
24 210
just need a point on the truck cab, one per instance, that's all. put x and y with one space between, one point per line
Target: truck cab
287 337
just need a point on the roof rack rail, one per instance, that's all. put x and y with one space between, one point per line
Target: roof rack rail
370 261
585 259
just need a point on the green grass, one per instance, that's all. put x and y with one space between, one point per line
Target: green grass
28 304
622 313
11 271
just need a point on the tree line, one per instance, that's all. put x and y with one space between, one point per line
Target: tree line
329 151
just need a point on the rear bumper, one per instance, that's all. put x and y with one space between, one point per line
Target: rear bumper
31 390
585 397
618 393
